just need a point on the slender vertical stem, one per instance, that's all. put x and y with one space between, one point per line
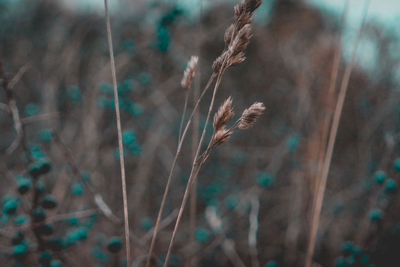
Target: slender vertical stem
195 169
164 198
120 145
183 114
331 144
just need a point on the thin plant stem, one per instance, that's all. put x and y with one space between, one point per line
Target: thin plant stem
183 115
166 190
192 262
120 145
331 144
330 102
194 170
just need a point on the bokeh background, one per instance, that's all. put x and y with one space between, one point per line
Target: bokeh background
261 183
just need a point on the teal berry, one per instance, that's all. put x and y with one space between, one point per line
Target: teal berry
21 220
265 180
73 236
10 205
31 110
348 246
146 224
49 202
46 135
364 259
39 188
202 235
293 143
17 239
104 102
231 202
380 177
45 258
99 255
20 250
38 216
144 78
77 189
24 184
82 233
134 109
351 260
271 264
36 151
117 155
114 244
341 262
75 94
73 221
39 167
106 88
55 263
397 165
125 87
391 186
135 149
128 137
375 215
86 176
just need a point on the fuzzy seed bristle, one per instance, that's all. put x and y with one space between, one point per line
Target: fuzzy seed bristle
189 72
223 115
250 115
221 136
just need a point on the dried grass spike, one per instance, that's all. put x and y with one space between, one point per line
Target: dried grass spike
252 5
229 34
223 115
241 40
189 72
250 115
221 136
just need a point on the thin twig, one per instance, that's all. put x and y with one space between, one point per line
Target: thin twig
331 143
120 145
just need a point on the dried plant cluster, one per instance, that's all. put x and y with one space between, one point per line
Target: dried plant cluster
222 117
314 183
237 36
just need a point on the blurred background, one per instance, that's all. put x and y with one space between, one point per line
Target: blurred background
60 183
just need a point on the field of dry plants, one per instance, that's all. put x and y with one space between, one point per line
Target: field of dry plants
153 136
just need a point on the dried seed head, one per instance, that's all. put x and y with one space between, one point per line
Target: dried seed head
252 5
241 40
223 115
229 34
221 136
189 73
250 115
217 64
237 59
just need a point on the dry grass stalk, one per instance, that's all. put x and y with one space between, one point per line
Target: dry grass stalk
329 151
186 82
119 129
178 150
221 135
